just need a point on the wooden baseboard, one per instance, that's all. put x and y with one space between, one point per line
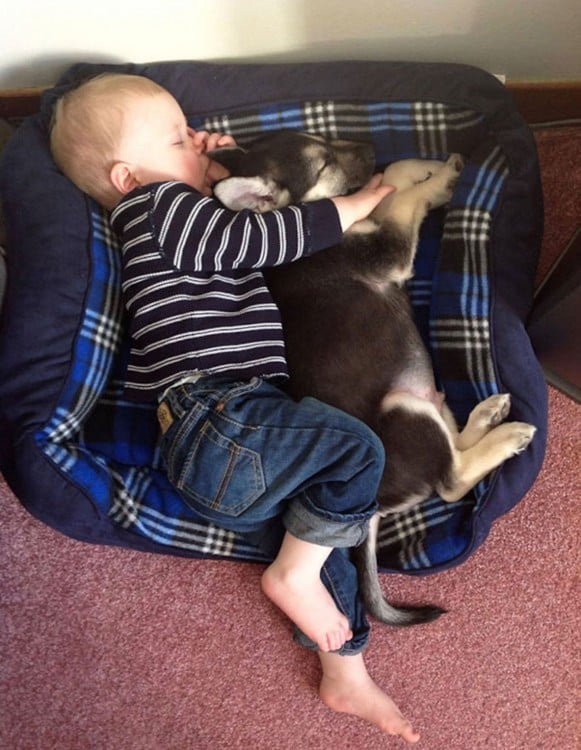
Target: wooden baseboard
19 102
544 102
537 102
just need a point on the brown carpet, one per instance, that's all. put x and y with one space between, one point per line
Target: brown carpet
105 649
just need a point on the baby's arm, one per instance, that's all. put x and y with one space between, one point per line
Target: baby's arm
359 205
196 234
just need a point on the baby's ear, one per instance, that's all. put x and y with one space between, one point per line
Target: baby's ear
255 193
122 177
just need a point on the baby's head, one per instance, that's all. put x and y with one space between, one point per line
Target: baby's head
88 128
116 132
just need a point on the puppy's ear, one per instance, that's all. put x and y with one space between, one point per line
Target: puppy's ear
230 157
256 193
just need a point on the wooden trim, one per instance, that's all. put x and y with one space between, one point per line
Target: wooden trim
537 102
548 101
19 102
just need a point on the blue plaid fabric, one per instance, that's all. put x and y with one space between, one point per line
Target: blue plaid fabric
109 446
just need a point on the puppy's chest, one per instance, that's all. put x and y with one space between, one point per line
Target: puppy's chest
385 286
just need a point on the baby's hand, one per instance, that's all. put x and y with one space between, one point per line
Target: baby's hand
359 205
212 141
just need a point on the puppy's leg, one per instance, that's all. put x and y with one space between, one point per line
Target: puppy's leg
450 423
404 211
406 173
438 189
487 454
418 182
486 415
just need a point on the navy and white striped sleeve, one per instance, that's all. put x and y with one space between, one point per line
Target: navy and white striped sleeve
197 234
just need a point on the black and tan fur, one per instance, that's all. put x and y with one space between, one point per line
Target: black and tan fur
350 334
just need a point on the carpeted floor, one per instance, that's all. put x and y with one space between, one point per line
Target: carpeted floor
105 649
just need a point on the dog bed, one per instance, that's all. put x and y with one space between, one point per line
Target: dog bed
85 461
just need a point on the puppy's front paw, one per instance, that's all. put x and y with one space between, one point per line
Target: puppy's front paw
426 170
444 181
455 162
453 167
425 177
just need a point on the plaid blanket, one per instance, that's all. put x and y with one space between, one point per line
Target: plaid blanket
109 447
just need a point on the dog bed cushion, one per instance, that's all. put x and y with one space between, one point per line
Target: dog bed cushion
85 461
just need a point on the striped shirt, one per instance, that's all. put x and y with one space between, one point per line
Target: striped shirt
192 284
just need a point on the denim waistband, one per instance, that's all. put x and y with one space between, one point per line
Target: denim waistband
215 390
191 377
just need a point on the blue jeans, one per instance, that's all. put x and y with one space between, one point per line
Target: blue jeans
245 456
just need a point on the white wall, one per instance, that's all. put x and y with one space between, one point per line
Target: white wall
525 39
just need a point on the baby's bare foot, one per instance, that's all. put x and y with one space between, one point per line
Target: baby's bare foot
308 604
347 687
293 583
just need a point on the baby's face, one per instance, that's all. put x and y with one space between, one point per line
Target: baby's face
158 144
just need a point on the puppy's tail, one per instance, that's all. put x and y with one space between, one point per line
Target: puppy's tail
375 603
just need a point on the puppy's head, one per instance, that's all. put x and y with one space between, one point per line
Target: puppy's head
289 167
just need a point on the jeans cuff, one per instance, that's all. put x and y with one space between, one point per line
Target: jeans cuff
311 527
356 645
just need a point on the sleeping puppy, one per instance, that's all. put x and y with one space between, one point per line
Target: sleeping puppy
350 333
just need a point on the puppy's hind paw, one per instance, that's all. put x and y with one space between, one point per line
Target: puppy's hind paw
521 435
495 409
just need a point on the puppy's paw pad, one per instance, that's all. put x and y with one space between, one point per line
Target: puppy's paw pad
522 434
496 408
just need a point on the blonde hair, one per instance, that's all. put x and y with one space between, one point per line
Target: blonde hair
86 129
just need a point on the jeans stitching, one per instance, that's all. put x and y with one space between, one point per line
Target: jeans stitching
185 422
233 455
337 594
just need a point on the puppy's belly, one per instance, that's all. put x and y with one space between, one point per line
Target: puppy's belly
418 384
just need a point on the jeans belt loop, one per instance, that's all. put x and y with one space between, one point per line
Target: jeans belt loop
165 416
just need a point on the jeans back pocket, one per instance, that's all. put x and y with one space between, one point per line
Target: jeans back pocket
213 471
